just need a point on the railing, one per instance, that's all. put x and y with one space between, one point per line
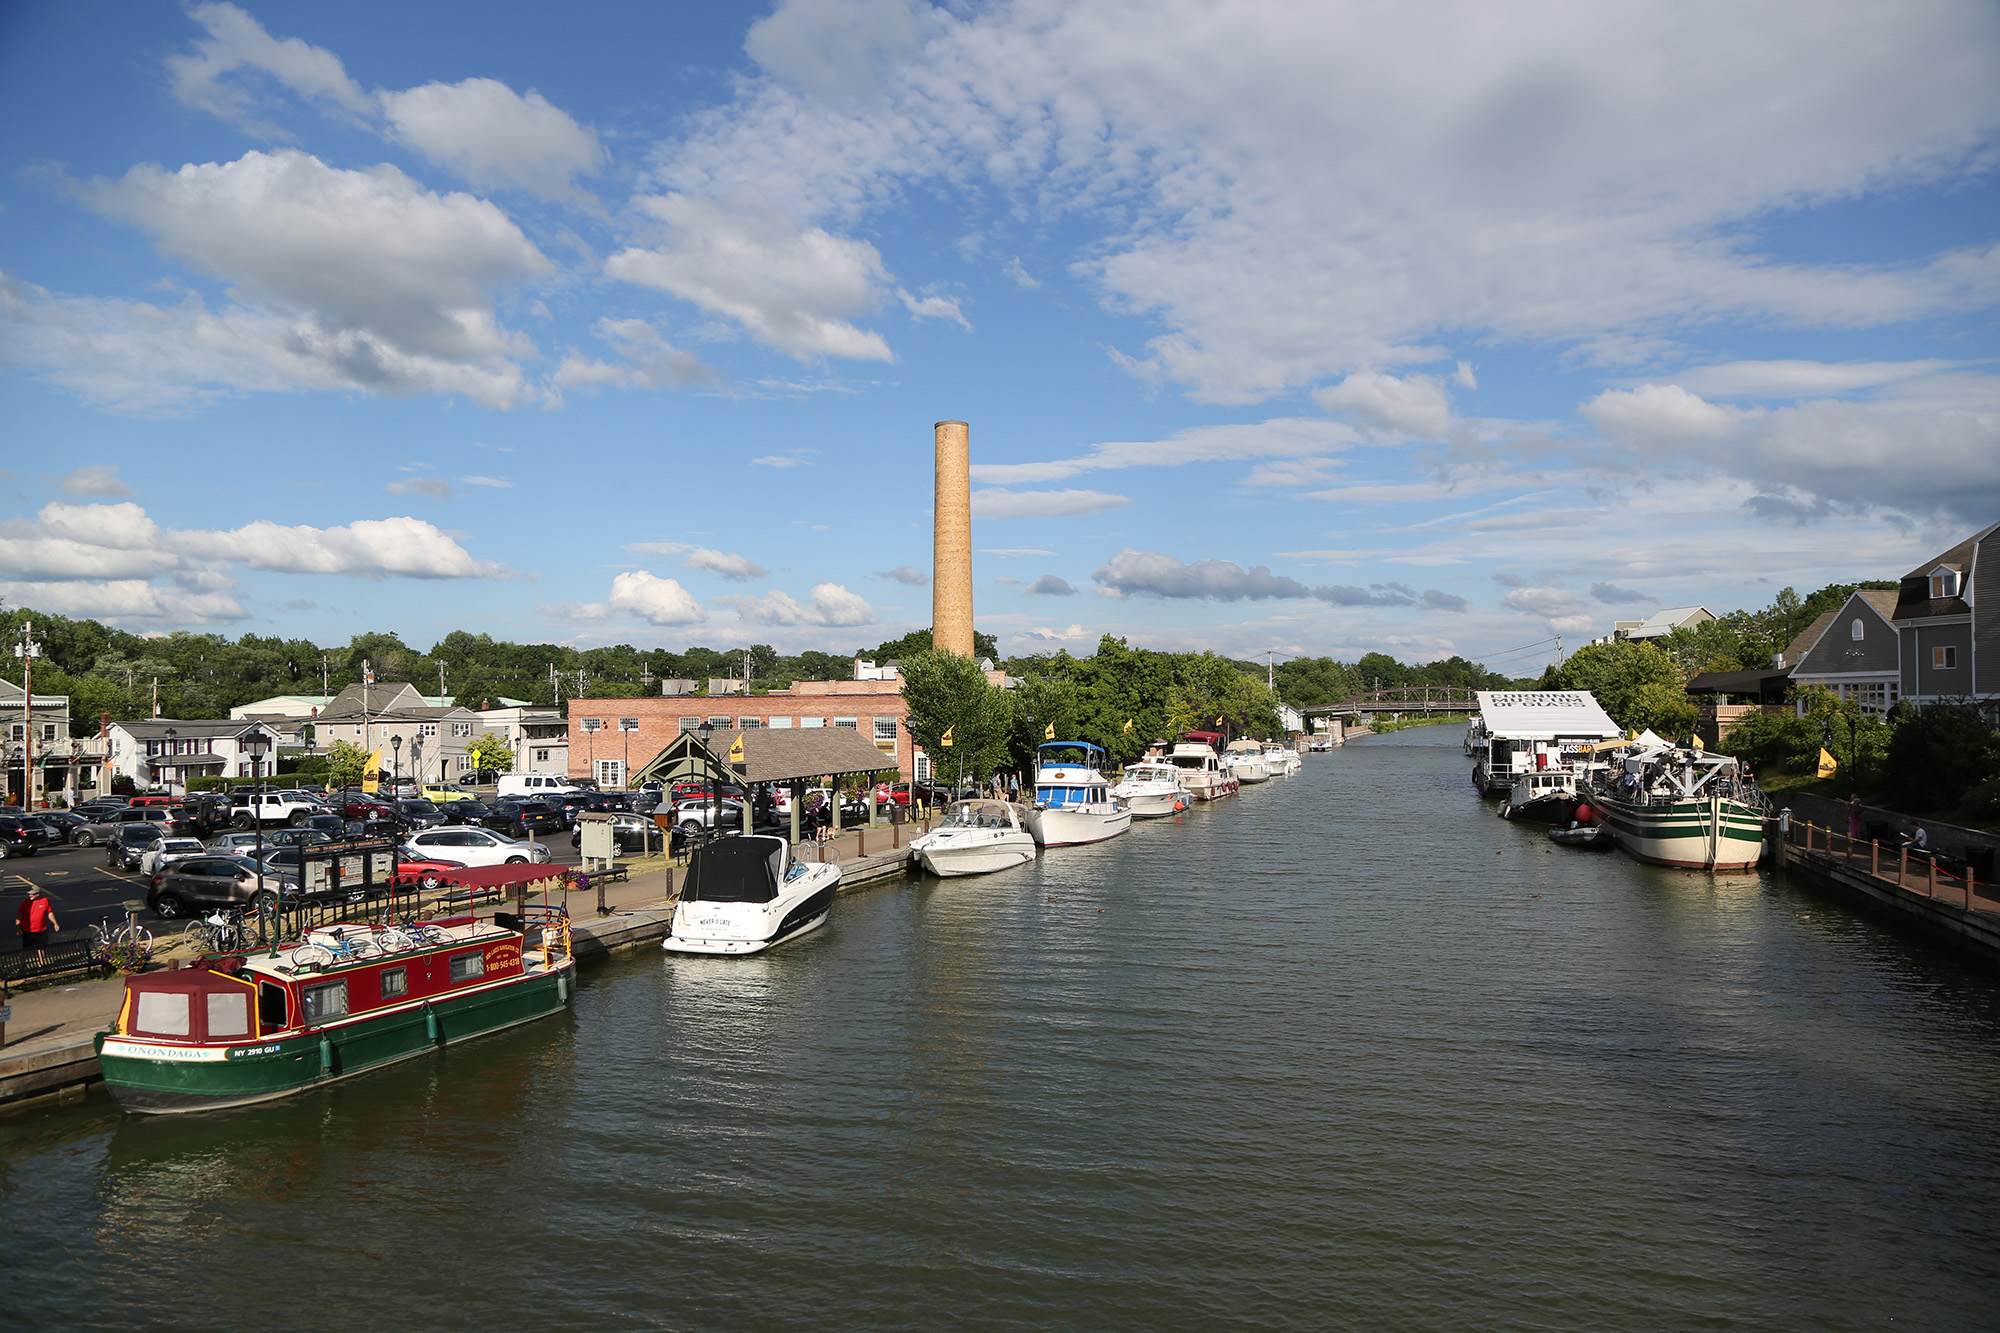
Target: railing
66 951
1915 874
1402 699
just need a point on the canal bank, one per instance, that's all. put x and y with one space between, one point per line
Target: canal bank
1341 1051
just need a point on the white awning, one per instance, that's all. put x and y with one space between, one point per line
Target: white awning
1545 715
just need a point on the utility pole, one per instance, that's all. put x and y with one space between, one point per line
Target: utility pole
325 677
1559 649
28 650
367 679
440 680
156 696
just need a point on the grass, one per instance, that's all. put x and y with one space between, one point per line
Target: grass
1773 781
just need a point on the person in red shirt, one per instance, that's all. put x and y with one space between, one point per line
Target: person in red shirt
36 922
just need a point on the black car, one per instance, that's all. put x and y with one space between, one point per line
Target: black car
333 826
466 812
61 824
129 842
21 836
522 819
421 814
636 835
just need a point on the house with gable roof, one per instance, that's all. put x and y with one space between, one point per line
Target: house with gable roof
1949 632
1854 651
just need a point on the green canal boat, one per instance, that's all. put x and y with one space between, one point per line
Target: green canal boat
349 998
1679 807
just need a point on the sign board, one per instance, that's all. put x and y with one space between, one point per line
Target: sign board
596 837
328 867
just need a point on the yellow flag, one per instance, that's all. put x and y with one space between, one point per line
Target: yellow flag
945 740
371 772
1049 733
1698 746
736 750
1218 722
1128 726
1827 764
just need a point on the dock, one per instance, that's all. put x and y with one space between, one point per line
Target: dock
1955 907
50 1053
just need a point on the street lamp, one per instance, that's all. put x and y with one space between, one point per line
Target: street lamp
395 760
171 733
714 779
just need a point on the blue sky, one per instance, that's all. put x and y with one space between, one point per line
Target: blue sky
1309 327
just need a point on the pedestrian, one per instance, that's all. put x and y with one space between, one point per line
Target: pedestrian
35 923
1853 817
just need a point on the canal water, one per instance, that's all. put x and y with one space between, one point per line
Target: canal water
1342 1052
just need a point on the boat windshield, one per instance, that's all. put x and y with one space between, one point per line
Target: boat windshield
978 814
1061 796
736 870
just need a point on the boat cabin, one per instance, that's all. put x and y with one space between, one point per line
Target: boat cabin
740 870
1061 782
1532 731
984 813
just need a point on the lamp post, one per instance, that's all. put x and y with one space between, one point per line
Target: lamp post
417 762
171 745
395 760
714 778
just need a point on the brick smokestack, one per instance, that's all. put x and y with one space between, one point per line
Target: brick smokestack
951 558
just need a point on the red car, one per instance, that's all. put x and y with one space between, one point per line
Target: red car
426 871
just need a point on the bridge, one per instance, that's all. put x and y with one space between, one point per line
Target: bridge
1402 699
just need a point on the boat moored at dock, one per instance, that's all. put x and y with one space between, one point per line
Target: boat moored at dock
1151 789
1245 762
348 998
746 893
1200 766
1534 731
976 838
1280 760
1073 801
1679 807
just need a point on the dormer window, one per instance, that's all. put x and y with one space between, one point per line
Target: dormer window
1944 582
1854 630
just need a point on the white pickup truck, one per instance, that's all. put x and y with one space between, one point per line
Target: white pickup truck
249 809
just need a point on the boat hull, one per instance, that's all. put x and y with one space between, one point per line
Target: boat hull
1694 833
1073 827
1209 786
740 933
1152 805
159 1078
948 859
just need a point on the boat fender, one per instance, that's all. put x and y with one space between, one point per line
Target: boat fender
430 1025
1506 811
326 1055
562 990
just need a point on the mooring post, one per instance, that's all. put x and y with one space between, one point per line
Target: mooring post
1933 875
1875 858
1902 864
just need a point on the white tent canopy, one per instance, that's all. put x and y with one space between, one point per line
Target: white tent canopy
1545 715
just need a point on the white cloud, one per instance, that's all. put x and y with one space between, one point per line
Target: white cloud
1050 634
1282 437
995 503
934 307
1558 608
1793 379
1656 416
236 42
497 483
658 601
1149 574
829 604
126 602
833 604
1019 275
1412 405
1344 184
648 361
93 479
435 487
1050 585
793 459
789 287
908 575
736 568
492 135
121 542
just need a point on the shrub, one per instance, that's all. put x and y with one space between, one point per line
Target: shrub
1939 755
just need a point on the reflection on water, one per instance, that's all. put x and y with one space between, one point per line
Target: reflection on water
1343 1051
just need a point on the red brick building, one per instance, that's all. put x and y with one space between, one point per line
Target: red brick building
609 738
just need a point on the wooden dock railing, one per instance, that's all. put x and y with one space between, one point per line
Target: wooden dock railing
1893 867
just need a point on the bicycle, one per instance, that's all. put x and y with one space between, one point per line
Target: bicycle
103 935
221 933
322 948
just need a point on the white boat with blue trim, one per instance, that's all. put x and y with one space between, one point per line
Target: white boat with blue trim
1073 802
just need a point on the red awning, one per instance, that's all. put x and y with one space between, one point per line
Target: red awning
493 877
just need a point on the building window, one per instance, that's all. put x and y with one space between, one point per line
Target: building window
1944 659
781 724
1854 630
690 724
628 724
593 724
427 729
610 773
1944 583
461 728
48 731
468 966
851 723
885 728
812 722
541 756
720 723
395 982
749 723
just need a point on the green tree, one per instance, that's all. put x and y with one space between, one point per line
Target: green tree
345 762
946 693
1939 754
489 750
1637 683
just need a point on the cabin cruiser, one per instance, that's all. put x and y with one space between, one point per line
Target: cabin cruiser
976 837
1072 800
1152 789
1549 795
746 893
1281 759
1201 769
1679 807
1246 760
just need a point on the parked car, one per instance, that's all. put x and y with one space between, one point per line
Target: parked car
61 824
216 881
914 793
474 847
172 820
165 851
519 818
421 814
466 812
128 842
156 798
608 802
698 816
443 793
229 844
428 871
103 803
535 784
332 825
354 803
21 836
634 835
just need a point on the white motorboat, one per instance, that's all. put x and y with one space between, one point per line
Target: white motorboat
976 838
1072 800
746 893
1201 769
1282 760
1152 789
1246 760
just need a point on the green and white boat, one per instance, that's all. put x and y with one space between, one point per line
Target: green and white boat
350 998
1679 807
